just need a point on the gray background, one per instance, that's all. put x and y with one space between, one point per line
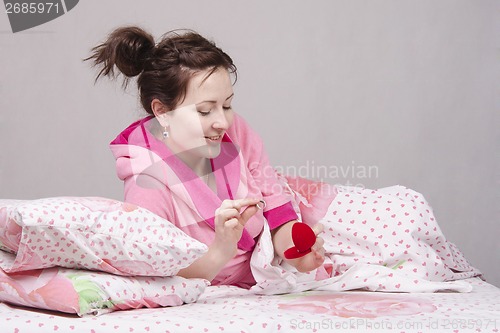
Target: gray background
407 87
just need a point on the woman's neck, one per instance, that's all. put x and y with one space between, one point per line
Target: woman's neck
200 165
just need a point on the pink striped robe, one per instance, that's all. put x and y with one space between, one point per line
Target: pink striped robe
159 181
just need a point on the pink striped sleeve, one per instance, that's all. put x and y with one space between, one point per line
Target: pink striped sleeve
280 215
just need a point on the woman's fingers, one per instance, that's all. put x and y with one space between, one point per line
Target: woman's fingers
320 252
318 228
320 242
318 245
231 209
232 223
311 261
229 213
248 213
247 202
239 203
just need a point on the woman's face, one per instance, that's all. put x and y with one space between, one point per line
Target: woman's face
197 125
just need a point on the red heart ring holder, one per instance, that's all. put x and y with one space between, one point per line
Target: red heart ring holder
303 238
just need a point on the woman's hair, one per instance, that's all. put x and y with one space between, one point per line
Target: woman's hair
163 70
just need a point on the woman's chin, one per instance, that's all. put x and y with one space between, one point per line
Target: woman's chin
212 151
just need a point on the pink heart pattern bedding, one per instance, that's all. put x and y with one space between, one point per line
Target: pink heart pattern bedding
379 240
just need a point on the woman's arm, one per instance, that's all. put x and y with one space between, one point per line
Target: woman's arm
282 240
207 266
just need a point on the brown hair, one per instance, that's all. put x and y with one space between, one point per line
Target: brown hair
165 69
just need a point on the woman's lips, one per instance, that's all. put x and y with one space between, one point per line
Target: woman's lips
215 139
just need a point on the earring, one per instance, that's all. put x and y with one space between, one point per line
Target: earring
165 132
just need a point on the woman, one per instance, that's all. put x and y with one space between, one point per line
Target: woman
192 160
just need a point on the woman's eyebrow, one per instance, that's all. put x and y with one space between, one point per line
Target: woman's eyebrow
213 102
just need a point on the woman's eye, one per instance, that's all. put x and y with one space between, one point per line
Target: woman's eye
227 107
204 113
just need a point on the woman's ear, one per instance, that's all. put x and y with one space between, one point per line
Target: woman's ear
160 111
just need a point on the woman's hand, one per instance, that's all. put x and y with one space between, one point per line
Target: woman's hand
282 240
229 224
316 257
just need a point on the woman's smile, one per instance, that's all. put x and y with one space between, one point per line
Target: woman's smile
214 139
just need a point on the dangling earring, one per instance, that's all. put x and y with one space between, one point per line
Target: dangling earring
165 132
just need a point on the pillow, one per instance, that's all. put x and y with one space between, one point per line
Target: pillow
93 233
10 231
85 292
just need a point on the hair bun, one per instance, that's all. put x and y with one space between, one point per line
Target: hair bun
127 48
133 48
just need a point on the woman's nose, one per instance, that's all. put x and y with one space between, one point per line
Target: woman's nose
221 122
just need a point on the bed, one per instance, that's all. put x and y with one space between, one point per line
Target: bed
88 264
231 309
